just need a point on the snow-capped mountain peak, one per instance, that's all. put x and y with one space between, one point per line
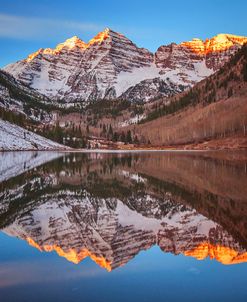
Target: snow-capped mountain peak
71 43
111 66
100 37
68 45
219 43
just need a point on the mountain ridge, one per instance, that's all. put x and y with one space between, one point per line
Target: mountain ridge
218 42
111 66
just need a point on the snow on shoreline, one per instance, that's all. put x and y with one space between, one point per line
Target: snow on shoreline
13 137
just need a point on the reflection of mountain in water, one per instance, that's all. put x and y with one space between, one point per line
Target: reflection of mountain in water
111 207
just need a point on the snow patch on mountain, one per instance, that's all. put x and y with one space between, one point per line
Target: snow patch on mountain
127 79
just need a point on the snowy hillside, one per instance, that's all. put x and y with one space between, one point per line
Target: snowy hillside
13 137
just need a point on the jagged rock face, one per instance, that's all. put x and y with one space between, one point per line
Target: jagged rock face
175 56
75 70
110 64
210 54
153 88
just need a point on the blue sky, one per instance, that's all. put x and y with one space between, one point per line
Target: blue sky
26 26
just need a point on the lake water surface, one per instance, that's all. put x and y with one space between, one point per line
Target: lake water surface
141 226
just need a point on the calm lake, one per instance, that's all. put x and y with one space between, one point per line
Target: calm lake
140 226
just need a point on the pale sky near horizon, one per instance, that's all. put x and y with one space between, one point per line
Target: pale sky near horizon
26 26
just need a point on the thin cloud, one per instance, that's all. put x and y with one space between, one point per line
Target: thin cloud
19 27
45 29
14 273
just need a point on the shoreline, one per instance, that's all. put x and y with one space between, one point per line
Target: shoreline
127 150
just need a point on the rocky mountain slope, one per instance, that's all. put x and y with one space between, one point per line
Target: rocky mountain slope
18 98
22 112
13 137
111 66
214 109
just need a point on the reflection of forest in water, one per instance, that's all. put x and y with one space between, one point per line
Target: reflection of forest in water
187 203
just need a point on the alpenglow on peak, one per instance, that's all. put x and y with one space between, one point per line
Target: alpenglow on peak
111 66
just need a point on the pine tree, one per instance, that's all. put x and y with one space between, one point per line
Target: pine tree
115 137
110 131
136 141
129 137
123 137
